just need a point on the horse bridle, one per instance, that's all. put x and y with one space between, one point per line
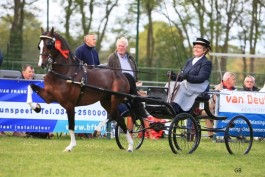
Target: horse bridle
51 61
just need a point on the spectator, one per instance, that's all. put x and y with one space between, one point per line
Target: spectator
27 73
87 52
228 82
249 84
121 59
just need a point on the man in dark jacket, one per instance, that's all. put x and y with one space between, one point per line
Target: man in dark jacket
87 51
249 84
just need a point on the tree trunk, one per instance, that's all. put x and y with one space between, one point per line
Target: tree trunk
16 33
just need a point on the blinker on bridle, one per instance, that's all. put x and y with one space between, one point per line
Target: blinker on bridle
55 44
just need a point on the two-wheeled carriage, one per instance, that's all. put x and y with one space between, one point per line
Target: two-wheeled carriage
185 130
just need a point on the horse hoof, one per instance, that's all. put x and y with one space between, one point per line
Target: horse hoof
67 150
129 151
38 108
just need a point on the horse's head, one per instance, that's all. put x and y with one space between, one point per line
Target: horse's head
51 48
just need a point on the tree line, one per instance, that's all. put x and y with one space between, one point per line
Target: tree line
232 26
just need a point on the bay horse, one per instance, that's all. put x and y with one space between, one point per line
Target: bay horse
63 66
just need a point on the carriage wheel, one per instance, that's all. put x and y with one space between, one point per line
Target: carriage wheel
183 135
238 135
136 127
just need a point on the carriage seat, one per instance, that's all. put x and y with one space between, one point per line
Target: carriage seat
156 109
157 93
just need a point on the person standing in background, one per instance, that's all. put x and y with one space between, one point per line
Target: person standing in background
122 60
87 52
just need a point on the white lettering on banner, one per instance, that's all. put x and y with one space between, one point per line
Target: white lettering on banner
19 91
20 110
257 122
4 91
242 102
88 127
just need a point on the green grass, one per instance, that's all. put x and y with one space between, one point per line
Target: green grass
24 157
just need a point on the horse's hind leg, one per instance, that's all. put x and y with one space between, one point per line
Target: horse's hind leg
35 106
99 127
126 127
122 124
119 119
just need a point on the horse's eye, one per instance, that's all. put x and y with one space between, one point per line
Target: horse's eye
50 45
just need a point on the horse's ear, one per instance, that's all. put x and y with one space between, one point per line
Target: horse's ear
42 31
52 31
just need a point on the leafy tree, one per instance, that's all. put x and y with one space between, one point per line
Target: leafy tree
86 10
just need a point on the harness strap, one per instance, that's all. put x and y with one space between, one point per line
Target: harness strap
84 82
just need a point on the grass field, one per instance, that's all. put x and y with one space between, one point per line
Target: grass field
29 157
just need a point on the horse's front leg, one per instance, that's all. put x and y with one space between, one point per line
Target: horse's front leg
72 144
35 106
71 126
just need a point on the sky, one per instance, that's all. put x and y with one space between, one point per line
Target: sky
54 11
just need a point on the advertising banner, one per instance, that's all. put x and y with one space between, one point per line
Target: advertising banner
249 104
16 114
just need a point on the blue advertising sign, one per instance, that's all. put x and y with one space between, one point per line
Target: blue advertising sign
249 104
16 114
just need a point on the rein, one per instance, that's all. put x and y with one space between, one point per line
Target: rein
78 66
106 67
